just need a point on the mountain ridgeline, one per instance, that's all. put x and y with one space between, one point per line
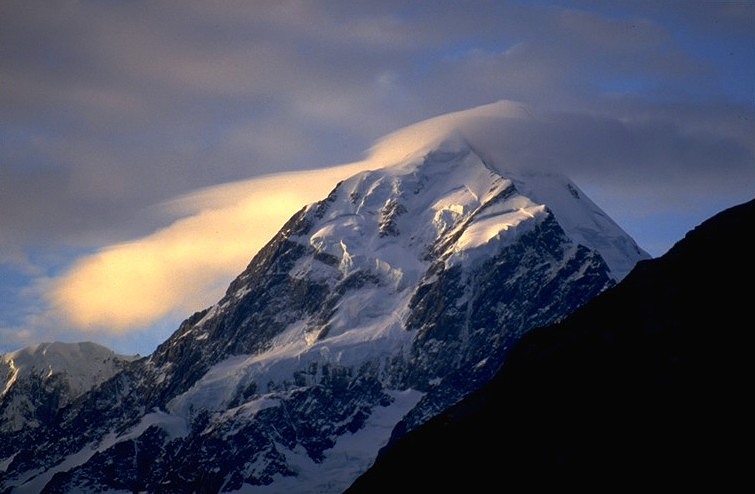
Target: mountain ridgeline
369 313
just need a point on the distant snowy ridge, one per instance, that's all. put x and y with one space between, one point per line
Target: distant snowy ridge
60 371
85 364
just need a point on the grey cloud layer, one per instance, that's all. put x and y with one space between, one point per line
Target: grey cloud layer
108 107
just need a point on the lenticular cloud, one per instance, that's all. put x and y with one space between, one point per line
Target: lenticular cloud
185 266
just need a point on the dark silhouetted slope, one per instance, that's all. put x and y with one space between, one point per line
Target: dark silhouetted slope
646 386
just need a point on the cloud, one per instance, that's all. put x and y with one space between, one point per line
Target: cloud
108 106
188 264
663 159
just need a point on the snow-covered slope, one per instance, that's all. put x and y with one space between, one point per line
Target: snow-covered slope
37 381
367 314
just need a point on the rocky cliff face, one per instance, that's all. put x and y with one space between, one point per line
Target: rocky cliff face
366 315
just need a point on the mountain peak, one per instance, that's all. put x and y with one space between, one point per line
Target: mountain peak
369 312
472 138
448 132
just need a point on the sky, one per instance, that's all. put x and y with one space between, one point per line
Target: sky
149 148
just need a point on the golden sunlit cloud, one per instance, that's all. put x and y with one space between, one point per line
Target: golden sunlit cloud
187 265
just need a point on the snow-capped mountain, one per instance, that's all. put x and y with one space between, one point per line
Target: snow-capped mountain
38 381
368 313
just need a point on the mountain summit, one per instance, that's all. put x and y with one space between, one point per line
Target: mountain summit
369 312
